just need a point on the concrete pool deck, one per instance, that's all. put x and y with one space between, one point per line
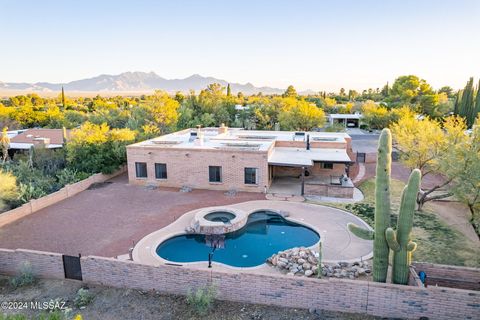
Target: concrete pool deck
338 244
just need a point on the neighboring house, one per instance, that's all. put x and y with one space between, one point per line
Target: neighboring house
235 159
48 138
348 120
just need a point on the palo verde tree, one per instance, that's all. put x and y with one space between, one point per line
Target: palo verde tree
4 144
461 163
421 143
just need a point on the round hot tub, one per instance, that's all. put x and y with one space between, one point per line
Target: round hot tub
220 216
217 221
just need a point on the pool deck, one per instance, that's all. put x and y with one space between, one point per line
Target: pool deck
338 244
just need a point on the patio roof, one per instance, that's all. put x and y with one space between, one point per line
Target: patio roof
299 157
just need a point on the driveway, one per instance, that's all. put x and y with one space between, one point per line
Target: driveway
107 220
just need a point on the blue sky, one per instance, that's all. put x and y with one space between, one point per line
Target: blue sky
319 45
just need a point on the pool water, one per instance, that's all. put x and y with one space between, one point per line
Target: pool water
220 216
264 234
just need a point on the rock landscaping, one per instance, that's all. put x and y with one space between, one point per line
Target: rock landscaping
304 262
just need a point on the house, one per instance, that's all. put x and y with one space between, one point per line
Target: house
348 120
225 158
23 140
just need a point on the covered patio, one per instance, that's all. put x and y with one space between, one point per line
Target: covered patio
317 171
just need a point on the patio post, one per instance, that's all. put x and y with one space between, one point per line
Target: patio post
303 181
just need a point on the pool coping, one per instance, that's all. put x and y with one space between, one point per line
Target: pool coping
145 250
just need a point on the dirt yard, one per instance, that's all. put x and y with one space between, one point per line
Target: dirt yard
452 213
106 220
124 304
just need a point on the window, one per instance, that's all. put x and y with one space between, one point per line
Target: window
160 171
215 174
141 169
251 176
326 165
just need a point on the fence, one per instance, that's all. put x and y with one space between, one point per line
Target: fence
380 299
68 191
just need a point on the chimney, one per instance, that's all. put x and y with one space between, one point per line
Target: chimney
41 142
308 142
222 129
199 136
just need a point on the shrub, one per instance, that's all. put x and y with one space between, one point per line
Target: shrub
83 298
202 299
13 317
336 127
69 176
364 126
24 278
8 189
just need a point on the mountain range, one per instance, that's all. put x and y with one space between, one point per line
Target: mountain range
136 82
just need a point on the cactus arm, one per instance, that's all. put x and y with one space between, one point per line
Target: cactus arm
411 246
360 232
403 257
392 239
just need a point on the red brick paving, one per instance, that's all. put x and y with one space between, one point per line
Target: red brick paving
105 221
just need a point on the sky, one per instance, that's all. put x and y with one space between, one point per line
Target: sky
317 45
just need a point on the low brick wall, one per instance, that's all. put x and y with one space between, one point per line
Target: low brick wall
380 299
66 192
326 190
355 296
450 276
371 157
44 264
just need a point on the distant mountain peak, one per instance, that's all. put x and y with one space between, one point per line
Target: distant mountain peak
135 81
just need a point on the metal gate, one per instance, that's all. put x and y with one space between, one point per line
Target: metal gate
72 267
360 157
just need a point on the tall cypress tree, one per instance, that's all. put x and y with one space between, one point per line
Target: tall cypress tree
229 92
476 110
467 106
458 101
63 99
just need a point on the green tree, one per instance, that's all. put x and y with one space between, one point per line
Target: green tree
63 99
97 148
424 144
466 106
229 92
302 115
461 163
163 110
4 144
290 92
447 90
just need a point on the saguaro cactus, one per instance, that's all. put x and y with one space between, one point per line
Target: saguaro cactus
382 209
400 241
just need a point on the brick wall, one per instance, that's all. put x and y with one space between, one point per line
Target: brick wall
385 300
328 190
40 203
44 264
187 167
450 276
380 299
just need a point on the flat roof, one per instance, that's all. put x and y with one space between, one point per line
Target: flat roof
236 138
303 157
344 116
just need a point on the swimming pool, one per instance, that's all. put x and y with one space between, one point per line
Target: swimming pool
264 234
